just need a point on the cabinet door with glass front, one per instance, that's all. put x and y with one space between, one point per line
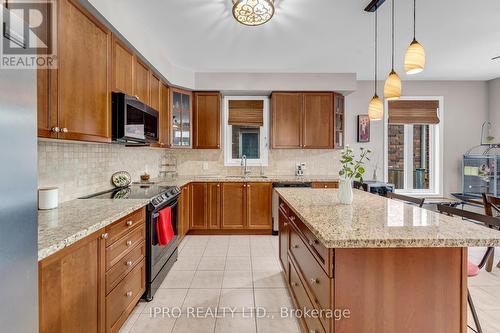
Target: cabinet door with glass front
181 118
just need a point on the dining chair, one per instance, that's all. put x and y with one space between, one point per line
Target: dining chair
417 201
360 186
473 269
491 208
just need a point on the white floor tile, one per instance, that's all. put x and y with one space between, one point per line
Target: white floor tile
239 300
187 324
268 279
235 324
238 264
272 300
178 279
201 298
237 279
212 264
207 279
147 324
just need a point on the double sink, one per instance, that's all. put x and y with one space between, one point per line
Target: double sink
232 177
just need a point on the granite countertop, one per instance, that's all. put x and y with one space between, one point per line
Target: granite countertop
373 221
76 219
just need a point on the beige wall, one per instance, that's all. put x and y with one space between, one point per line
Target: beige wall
465 109
494 108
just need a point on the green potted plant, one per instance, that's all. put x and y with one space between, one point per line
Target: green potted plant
352 169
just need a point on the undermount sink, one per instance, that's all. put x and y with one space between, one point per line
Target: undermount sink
247 177
209 177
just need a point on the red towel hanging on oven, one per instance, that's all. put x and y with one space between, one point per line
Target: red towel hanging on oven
164 229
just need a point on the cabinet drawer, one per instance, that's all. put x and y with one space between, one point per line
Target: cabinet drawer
303 301
121 301
318 250
318 283
325 185
116 251
124 266
116 230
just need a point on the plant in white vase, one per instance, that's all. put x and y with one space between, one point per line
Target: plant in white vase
352 169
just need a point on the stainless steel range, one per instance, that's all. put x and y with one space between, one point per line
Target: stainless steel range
159 259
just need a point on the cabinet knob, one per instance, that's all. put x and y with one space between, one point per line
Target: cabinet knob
129 223
218 185
295 284
313 331
296 246
55 129
314 281
313 242
285 224
129 263
129 294
129 242
105 235
248 185
64 130
326 186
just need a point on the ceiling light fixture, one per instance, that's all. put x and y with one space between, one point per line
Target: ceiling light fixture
415 54
392 86
253 12
376 107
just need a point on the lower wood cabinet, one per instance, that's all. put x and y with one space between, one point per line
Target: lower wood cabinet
284 237
184 211
259 205
198 206
333 184
93 285
233 205
214 206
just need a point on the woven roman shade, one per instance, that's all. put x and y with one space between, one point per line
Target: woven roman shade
246 113
413 112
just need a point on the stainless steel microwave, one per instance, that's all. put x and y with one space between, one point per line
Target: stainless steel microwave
133 121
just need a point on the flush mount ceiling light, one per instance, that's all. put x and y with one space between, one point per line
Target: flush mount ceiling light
376 107
415 54
253 12
392 86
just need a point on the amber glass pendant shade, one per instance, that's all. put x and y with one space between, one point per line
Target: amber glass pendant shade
414 58
376 109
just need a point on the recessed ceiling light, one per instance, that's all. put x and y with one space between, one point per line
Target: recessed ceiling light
253 12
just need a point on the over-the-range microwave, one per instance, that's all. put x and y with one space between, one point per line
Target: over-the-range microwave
134 122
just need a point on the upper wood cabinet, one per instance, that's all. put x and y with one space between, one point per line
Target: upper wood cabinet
286 120
318 120
123 68
141 81
181 113
206 120
259 205
71 294
83 75
233 206
305 120
339 121
154 95
164 116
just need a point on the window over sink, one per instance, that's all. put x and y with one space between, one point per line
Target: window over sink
246 130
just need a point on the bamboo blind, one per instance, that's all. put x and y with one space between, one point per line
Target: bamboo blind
413 112
246 113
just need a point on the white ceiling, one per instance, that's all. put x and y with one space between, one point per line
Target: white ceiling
314 36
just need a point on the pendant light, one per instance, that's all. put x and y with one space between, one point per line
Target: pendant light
376 107
415 54
392 86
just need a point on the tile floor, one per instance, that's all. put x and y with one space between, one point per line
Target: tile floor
243 272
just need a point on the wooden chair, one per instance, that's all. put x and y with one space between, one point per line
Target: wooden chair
473 269
491 208
416 201
360 186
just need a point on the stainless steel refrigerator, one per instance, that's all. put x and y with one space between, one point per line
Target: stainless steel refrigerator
18 201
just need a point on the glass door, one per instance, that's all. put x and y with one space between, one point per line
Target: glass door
181 118
339 121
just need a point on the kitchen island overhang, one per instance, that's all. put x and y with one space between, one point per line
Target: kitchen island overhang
396 267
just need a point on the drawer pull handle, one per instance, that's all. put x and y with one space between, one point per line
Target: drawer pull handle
129 242
129 263
129 294
313 242
282 205
314 281
105 235
292 218
295 284
129 223
296 246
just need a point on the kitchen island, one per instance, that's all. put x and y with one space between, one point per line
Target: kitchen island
377 265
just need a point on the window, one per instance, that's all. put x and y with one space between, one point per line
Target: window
413 145
246 128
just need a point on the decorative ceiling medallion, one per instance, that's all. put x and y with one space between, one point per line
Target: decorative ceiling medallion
253 12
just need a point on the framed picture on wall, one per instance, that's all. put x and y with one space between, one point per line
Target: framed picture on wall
363 128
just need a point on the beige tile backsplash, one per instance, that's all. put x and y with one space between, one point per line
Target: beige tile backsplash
79 169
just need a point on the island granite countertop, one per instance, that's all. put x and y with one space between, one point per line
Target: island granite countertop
76 219
373 221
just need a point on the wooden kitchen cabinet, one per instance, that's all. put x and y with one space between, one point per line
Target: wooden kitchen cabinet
141 81
284 231
164 116
333 184
339 120
206 120
184 211
154 94
286 120
317 129
181 113
123 68
259 205
83 75
214 206
71 288
198 206
233 206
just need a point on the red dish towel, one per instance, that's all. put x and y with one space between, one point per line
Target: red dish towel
164 229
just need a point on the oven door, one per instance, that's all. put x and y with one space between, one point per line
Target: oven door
161 254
